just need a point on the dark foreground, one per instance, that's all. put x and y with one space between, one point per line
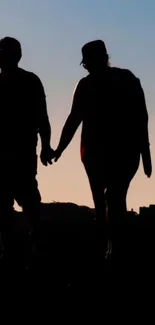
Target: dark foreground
66 254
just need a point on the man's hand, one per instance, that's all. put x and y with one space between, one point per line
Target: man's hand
46 156
57 155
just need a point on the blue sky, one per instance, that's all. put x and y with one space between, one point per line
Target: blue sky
52 33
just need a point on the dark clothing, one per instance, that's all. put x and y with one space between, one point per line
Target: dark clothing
110 104
114 120
112 109
22 111
18 182
109 185
23 115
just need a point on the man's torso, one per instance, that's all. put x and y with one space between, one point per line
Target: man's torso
18 112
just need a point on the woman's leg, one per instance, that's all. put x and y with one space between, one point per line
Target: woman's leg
117 190
97 185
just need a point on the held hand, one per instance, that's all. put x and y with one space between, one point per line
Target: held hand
46 156
57 155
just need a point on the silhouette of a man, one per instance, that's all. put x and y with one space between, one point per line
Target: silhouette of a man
23 115
110 104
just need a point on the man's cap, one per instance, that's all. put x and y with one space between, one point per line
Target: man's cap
93 50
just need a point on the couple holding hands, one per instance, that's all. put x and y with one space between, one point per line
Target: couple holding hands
110 104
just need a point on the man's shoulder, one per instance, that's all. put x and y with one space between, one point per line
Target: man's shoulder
29 75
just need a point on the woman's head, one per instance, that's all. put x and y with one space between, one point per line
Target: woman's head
94 56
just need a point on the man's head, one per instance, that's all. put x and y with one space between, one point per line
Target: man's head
10 52
94 56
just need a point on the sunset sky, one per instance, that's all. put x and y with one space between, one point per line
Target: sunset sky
52 33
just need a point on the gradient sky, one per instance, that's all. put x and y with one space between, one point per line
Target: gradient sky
52 33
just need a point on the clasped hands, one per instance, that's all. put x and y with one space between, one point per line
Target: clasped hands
48 154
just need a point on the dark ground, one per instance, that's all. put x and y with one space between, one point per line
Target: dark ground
66 255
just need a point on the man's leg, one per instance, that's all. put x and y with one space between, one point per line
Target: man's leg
6 229
6 193
6 219
28 197
27 193
30 202
6 213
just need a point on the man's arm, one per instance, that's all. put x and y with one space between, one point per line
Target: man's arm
73 121
44 128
